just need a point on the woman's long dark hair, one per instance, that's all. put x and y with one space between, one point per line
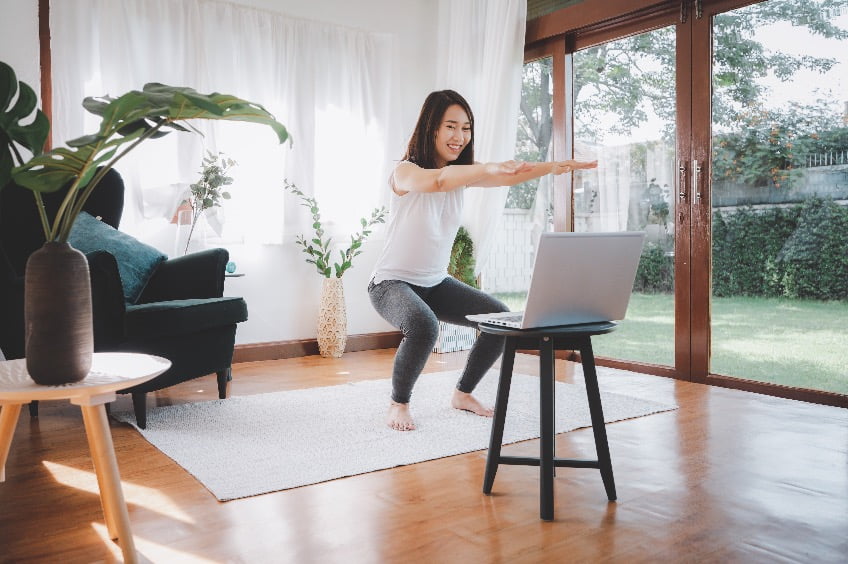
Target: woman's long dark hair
422 144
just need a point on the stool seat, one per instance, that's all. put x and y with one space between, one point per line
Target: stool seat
547 340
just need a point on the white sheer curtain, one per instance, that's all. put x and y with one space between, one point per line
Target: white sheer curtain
481 55
613 188
329 85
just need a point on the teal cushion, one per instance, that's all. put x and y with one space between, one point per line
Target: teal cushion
136 260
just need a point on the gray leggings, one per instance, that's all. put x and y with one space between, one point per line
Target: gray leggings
416 311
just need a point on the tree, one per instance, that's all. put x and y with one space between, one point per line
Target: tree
770 146
535 127
624 74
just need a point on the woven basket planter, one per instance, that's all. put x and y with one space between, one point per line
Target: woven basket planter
332 319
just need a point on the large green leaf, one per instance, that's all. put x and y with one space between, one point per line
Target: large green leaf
14 135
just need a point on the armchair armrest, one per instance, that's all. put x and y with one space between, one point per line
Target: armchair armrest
196 275
107 300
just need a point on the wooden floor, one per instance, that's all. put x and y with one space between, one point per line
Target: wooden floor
729 477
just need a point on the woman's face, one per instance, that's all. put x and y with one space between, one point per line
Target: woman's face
453 135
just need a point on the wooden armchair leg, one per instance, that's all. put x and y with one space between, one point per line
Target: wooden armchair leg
224 379
140 407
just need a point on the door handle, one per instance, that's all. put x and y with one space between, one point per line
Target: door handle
696 179
681 180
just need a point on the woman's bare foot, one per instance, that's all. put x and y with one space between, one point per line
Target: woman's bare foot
467 402
399 417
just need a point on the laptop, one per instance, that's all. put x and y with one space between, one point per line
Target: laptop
577 278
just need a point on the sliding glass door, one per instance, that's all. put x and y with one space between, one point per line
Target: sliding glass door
721 130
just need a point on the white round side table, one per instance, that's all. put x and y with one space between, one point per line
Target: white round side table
110 372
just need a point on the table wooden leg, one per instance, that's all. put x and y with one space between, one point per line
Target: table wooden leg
597 413
8 420
546 429
499 418
108 479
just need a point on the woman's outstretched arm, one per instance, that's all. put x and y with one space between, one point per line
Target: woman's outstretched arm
409 177
533 170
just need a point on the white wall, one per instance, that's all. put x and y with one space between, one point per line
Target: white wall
281 289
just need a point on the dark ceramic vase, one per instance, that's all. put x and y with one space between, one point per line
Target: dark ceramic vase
57 312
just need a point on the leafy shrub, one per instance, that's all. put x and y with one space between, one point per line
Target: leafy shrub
656 271
461 265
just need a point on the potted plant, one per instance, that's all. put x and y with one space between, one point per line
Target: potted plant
59 339
332 317
461 266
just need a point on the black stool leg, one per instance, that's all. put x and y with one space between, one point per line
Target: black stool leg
546 430
498 420
597 412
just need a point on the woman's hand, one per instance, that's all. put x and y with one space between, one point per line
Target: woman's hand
561 167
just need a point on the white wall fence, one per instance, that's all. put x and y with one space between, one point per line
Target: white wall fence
511 258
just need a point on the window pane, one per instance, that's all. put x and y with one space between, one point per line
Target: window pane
624 118
779 194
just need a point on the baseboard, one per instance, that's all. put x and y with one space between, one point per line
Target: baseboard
306 347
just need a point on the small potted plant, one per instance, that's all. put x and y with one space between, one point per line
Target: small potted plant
332 318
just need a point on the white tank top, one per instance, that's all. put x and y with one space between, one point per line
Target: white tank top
419 237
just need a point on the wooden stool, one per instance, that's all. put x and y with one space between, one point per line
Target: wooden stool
547 340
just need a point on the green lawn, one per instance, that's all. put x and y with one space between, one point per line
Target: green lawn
799 343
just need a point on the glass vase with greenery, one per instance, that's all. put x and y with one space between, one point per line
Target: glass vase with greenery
208 191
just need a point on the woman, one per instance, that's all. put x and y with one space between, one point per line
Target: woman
410 287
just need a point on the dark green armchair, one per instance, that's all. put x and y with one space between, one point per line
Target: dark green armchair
177 311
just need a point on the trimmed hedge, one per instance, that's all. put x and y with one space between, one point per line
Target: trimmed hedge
814 260
799 251
746 244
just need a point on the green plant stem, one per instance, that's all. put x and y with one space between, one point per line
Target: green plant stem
195 216
42 214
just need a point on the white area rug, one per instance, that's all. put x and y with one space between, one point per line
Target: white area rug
250 445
